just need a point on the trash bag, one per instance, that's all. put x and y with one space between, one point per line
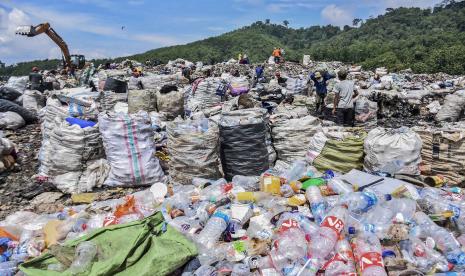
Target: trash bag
18 83
292 136
141 100
366 113
33 100
239 85
142 247
8 93
336 149
443 152
158 81
28 116
115 85
193 150
11 120
128 142
452 108
170 104
243 148
383 147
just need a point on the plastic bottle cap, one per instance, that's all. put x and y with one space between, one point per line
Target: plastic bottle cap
351 230
388 253
388 197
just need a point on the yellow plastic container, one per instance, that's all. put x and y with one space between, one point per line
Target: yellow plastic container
270 184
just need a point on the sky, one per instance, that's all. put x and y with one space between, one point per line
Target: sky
112 28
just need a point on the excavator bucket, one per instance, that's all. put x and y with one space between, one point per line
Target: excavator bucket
25 30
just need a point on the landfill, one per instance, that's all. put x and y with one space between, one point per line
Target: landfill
222 172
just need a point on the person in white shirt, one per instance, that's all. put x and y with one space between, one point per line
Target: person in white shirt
344 100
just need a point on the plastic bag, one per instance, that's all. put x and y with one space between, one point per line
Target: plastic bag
452 108
366 113
11 120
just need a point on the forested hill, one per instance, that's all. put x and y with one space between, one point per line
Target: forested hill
426 40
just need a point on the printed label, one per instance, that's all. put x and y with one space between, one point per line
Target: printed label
288 224
370 259
334 223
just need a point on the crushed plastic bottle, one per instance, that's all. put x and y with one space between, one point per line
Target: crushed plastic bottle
84 257
360 202
213 230
296 171
343 262
249 183
368 253
317 203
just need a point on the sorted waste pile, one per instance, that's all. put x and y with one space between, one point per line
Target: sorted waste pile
237 176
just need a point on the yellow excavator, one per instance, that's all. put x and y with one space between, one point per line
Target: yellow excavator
76 61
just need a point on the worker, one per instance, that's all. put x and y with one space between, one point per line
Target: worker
186 71
344 100
239 58
376 79
36 80
281 81
277 55
320 81
71 71
245 59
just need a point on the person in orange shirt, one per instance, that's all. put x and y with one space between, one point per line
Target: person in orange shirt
277 55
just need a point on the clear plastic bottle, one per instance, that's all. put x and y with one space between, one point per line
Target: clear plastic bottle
367 250
212 231
318 204
310 228
360 202
216 190
296 171
249 183
330 229
402 208
84 257
287 191
423 256
339 186
343 262
445 241
240 269
8 268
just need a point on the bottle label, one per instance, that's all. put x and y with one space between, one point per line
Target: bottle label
318 209
370 259
288 224
334 223
222 216
369 228
344 257
455 210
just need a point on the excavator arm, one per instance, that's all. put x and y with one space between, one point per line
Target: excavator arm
32 31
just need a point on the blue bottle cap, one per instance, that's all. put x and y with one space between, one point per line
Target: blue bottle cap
388 197
351 230
388 253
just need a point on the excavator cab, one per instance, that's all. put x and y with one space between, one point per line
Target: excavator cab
78 61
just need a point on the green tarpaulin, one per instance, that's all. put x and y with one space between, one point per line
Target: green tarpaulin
145 247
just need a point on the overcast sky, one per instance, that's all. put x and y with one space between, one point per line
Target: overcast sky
111 28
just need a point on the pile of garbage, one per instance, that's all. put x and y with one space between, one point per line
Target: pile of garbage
237 175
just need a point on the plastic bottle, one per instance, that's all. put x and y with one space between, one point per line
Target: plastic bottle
330 229
423 256
216 190
310 228
318 204
287 191
296 171
343 262
444 240
249 183
8 268
402 208
240 269
212 231
367 251
360 202
339 186
84 256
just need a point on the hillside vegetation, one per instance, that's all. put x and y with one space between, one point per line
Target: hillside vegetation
426 40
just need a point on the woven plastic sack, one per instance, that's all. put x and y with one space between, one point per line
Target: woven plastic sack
33 100
296 86
443 153
109 99
366 113
128 142
203 95
141 100
18 83
385 146
193 149
452 108
170 104
336 149
291 137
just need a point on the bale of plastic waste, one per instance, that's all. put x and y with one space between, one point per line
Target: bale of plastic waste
243 148
17 83
393 151
108 99
11 120
366 113
33 100
170 102
141 100
193 150
336 149
292 136
443 152
296 86
203 95
128 142
452 108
